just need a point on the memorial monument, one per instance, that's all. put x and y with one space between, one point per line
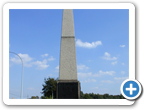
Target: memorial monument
68 87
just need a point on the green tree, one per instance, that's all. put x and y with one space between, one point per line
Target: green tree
81 94
92 95
100 96
50 97
87 96
111 97
121 96
42 97
106 96
49 88
95 96
33 97
37 97
116 96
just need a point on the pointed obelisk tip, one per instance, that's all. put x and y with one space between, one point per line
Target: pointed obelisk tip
67 23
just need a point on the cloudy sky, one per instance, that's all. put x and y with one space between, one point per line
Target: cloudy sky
102 49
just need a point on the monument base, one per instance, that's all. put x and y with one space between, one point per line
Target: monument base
68 89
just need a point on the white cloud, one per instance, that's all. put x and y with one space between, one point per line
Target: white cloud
25 58
87 44
122 72
94 88
50 75
121 78
44 55
90 60
57 67
82 67
90 80
104 89
103 73
27 61
82 75
114 63
100 73
15 60
123 64
41 65
28 65
107 56
30 88
107 81
51 58
93 80
122 45
106 73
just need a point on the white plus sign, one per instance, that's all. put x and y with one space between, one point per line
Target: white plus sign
131 89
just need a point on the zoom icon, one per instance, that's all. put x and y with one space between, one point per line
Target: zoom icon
131 89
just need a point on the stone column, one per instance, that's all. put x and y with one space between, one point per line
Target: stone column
68 87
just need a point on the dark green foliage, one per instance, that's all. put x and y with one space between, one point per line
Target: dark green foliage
81 94
87 96
50 97
42 97
98 96
49 86
106 96
34 97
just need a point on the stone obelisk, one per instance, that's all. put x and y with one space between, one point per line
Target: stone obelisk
68 87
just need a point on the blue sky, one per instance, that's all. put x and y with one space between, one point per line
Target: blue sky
102 49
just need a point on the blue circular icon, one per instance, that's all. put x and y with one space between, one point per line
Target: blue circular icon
130 89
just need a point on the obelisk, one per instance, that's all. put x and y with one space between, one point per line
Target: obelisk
68 87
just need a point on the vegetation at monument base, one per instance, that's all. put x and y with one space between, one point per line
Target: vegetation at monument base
42 97
34 97
98 96
49 88
50 84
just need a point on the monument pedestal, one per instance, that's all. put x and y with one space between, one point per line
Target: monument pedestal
68 89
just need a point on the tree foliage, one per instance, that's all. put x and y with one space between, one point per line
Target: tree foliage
42 97
34 97
49 88
99 96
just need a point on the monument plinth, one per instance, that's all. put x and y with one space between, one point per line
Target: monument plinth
68 87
